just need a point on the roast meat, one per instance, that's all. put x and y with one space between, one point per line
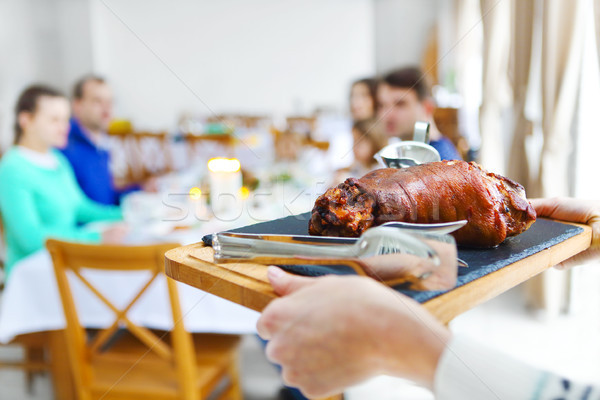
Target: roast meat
494 206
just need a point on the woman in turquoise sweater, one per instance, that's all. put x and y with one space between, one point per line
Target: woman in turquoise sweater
39 196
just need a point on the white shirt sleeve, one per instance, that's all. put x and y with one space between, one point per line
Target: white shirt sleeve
468 370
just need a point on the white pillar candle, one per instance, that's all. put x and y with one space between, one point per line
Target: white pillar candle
225 180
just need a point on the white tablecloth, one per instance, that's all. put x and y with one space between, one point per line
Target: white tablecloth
31 302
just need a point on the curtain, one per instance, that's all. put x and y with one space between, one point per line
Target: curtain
558 73
597 23
496 88
563 29
544 98
523 21
463 45
525 38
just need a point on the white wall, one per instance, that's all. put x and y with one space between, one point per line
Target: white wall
23 54
42 41
75 38
402 28
263 56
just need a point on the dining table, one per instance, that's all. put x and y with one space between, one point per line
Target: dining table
31 306
31 309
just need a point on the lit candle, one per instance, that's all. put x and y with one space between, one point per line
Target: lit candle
225 179
197 206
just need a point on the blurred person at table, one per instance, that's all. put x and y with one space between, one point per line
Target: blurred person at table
403 98
86 149
326 338
368 139
39 195
363 102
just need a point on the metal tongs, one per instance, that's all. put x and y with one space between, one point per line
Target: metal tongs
418 261
409 153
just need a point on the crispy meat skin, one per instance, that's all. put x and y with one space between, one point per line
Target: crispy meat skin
494 206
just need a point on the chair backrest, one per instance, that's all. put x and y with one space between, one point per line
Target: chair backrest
203 147
75 257
237 121
302 125
446 120
139 155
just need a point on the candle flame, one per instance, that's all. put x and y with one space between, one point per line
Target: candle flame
224 164
244 192
195 193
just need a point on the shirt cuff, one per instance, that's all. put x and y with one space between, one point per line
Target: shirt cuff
468 370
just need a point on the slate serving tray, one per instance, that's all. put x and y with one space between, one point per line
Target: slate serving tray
543 234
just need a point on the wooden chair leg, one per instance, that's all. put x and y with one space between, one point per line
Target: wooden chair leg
64 386
33 362
34 356
234 391
29 377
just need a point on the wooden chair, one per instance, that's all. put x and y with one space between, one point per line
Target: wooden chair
237 121
251 121
288 144
302 125
306 127
320 145
446 119
139 364
137 156
204 147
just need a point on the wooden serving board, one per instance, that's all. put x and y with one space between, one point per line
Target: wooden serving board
492 272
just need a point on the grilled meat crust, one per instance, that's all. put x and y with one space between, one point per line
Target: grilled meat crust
494 206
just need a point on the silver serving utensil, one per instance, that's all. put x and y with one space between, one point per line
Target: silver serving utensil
435 230
375 241
421 132
406 162
420 260
439 227
409 153
406 154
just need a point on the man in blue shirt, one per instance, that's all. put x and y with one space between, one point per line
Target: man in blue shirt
404 97
92 112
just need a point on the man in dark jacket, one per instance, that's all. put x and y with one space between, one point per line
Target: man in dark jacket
92 113
404 97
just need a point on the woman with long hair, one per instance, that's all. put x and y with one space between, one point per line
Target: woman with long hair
39 196
363 103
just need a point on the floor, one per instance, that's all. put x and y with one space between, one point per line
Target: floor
567 344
